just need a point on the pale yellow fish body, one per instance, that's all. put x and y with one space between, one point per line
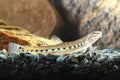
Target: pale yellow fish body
59 49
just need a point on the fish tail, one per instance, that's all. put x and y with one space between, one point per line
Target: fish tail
13 48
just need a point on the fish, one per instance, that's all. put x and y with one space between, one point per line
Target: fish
59 49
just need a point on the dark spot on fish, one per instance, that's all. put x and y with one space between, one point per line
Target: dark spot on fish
53 49
70 47
36 50
74 46
20 47
41 50
64 48
31 50
78 45
58 49
46 50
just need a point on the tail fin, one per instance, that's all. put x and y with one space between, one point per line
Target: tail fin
13 48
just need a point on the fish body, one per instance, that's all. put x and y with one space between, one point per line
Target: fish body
59 49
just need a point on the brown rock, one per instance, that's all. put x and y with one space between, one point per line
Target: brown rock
21 36
2 22
38 16
90 15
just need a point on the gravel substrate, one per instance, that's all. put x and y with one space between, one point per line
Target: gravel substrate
100 64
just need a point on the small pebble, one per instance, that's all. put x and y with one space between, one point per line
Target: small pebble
76 67
47 62
27 63
3 52
41 65
50 57
40 56
61 58
115 67
74 59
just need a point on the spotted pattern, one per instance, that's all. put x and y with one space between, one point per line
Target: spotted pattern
53 50
60 48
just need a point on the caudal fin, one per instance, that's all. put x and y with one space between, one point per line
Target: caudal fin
13 48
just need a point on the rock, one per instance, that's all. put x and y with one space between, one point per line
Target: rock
76 67
2 22
115 68
70 69
3 52
74 59
69 9
92 15
38 16
41 65
61 58
108 55
47 63
50 57
40 56
21 36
